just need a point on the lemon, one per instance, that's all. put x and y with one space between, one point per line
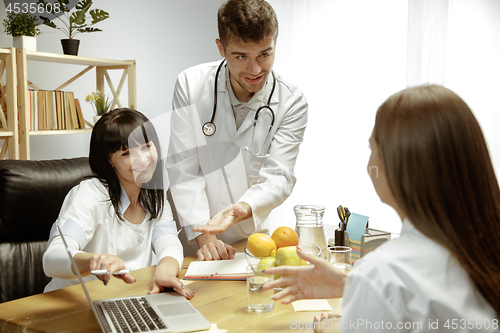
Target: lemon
261 245
266 263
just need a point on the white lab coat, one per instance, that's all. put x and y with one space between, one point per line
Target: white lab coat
90 223
207 174
413 284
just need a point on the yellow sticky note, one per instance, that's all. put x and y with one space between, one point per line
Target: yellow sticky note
312 305
213 329
187 282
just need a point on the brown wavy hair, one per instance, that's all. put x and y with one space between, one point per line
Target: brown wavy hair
248 20
440 172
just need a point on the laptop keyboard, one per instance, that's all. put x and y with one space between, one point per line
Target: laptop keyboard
133 315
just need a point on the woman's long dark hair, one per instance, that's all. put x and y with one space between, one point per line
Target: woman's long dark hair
439 170
115 131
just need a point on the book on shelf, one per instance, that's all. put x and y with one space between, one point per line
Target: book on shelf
48 109
54 110
69 120
40 105
53 119
35 110
59 108
74 115
32 109
81 121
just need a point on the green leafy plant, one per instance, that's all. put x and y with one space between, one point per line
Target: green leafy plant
22 24
100 103
75 22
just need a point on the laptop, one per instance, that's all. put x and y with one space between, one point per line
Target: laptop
163 312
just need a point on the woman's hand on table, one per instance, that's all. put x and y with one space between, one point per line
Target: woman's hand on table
318 280
166 277
162 282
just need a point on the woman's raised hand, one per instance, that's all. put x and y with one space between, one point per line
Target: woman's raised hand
318 280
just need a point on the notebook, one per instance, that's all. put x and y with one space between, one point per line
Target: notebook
164 312
234 269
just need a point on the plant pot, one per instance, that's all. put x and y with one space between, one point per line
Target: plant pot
70 46
96 119
25 42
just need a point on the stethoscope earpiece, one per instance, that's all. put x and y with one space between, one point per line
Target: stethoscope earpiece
259 154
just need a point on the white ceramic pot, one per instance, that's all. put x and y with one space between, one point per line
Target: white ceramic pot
96 119
25 42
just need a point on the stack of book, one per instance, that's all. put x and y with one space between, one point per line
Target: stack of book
54 110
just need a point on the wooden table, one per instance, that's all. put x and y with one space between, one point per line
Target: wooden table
221 302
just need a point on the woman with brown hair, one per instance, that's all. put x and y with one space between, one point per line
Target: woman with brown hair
431 164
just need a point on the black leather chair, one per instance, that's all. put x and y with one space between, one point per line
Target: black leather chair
31 195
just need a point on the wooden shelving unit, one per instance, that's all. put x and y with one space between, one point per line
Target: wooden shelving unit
8 105
102 66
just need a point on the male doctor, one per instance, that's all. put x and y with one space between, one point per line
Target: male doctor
227 169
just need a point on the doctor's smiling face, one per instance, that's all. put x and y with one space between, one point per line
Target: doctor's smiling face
249 64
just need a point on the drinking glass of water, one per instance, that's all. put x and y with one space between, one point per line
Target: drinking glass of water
340 257
258 300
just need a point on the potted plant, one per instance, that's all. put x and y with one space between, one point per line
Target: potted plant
100 103
23 28
74 22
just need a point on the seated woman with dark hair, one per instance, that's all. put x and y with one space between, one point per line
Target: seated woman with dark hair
443 272
115 220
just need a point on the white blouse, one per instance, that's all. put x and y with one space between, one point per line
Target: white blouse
90 224
413 284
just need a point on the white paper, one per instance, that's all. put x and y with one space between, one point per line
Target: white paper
312 305
214 329
218 267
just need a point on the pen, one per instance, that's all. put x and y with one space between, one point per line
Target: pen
347 214
103 272
341 216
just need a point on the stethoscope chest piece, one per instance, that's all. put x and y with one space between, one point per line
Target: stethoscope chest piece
208 128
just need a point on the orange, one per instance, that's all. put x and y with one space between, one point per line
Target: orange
285 236
261 245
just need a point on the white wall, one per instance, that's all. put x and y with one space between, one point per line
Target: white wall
348 57
472 66
164 37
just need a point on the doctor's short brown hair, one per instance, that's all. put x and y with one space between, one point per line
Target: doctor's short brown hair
248 20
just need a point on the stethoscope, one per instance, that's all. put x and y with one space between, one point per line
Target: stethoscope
209 127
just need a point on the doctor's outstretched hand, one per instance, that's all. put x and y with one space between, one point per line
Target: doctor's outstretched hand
212 248
319 280
226 218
